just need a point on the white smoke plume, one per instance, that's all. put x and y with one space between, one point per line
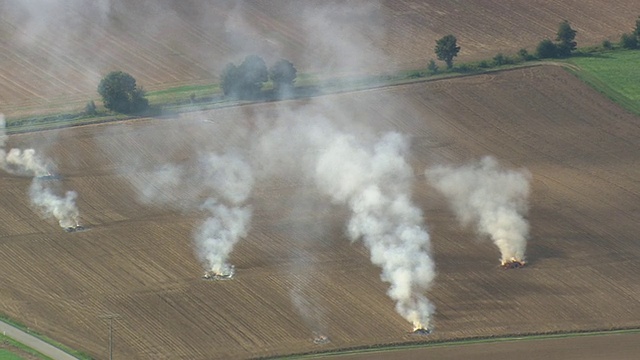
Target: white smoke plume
232 179
28 163
492 198
225 182
63 209
216 237
375 181
25 162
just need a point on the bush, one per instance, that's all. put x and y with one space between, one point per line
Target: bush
501 59
90 108
432 67
629 41
121 94
524 55
606 44
546 49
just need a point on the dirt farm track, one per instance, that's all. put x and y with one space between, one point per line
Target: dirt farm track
137 261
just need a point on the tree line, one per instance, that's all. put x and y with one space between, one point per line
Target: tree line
447 49
245 81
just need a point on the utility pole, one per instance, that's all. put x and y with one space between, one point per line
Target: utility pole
110 317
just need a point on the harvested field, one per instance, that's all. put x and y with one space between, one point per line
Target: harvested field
138 262
52 55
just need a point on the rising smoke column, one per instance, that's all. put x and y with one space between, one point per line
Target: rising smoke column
375 181
63 209
232 180
492 198
224 182
27 163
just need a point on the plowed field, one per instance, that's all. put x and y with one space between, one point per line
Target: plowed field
54 54
138 262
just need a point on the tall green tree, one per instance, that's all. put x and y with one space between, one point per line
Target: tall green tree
566 39
446 49
121 94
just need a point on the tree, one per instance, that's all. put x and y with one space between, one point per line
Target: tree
566 39
229 80
446 49
546 49
246 80
121 94
283 74
629 41
253 74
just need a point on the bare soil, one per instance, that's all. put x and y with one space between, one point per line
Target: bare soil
138 262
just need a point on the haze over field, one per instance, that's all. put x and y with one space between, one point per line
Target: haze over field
57 51
315 202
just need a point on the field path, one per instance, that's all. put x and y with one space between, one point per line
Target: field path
34 343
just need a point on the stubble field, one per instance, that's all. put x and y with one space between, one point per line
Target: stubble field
138 262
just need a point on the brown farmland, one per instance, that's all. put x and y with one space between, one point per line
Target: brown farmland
55 53
138 262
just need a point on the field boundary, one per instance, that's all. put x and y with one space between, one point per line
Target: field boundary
170 110
452 342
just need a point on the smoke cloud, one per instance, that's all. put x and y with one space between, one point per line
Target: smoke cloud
63 209
232 179
225 182
27 163
490 197
375 182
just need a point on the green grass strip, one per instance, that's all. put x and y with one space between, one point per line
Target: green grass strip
8 355
615 74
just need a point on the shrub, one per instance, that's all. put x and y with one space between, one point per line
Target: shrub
524 55
90 108
546 49
629 41
432 67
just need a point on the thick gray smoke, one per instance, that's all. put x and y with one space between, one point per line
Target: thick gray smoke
375 182
28 163
492 198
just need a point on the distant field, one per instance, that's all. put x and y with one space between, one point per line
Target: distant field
615 74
